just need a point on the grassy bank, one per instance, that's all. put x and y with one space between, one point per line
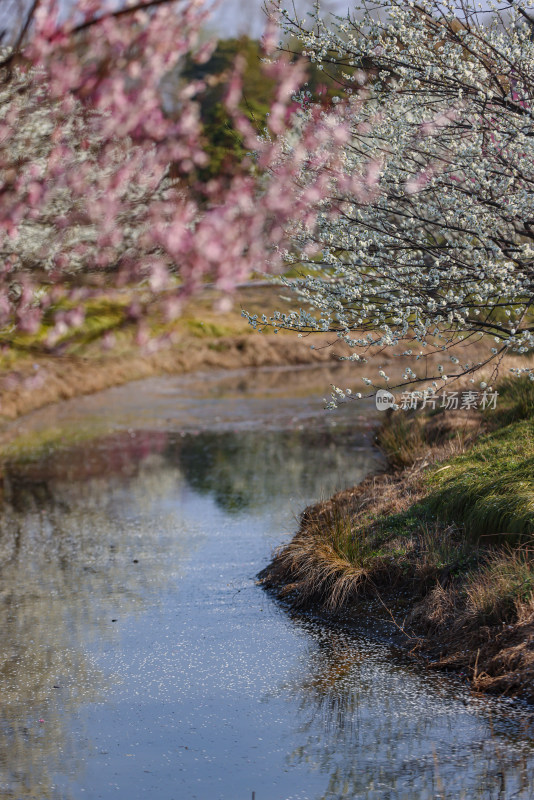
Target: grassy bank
444 540
33 374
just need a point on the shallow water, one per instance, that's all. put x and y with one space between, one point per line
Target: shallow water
139 657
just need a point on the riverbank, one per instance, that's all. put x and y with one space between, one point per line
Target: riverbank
105 350
443 540
105 353
43 380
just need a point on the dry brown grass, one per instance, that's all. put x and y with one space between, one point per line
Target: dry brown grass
492 595
342 549
482 628
411 439
313 567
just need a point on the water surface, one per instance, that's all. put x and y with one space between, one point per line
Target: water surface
141 659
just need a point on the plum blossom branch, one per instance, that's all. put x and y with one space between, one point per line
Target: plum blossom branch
440 247
95 177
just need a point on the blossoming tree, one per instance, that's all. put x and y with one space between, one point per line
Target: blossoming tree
441 127
95 174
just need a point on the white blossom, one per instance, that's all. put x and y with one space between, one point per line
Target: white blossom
430 232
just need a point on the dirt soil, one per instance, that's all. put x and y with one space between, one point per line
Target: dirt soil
49 380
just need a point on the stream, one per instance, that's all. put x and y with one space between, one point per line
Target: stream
140 659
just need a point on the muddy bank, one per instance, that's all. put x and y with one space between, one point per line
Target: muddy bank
458 586
50 379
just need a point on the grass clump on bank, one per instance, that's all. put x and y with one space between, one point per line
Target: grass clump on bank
445 537
490 488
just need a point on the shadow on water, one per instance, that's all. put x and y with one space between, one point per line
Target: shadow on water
140 659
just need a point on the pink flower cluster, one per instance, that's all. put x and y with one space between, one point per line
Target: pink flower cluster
95 187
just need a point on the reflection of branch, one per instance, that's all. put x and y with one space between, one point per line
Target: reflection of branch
416 639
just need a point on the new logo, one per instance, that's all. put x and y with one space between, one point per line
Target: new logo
384 400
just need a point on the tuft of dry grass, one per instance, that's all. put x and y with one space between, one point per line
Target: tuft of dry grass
491 593
494 592
325 564
484 625
410 439
402 439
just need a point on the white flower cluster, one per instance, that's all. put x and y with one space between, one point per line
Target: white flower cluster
430 234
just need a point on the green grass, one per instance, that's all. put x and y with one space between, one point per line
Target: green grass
489 490
102 315
206 330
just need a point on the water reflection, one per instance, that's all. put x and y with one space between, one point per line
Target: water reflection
89 535
391 731
251 469
255 399
67 552
133 628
